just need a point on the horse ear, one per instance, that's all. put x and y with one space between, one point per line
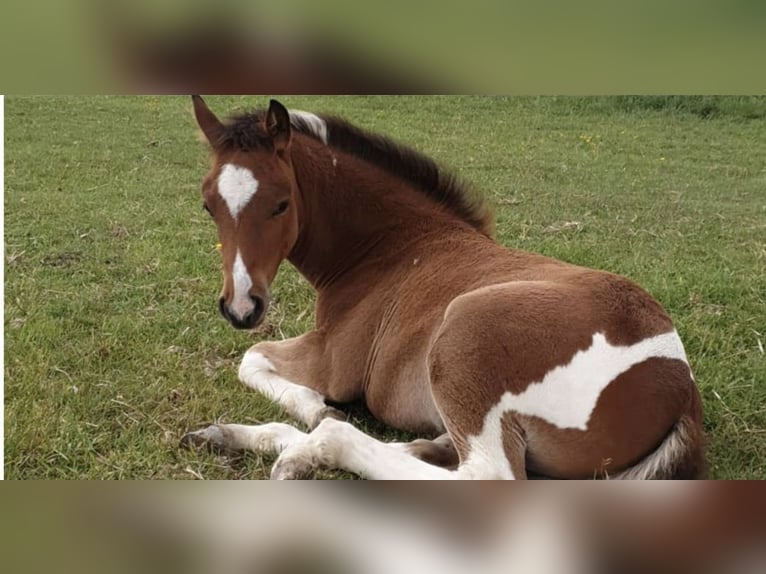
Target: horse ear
278 125
210 125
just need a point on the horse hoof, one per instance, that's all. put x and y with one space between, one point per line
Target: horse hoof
290 470
211 438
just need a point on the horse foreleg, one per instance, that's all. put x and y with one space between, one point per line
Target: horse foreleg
303 399
270 438
338 445
258 371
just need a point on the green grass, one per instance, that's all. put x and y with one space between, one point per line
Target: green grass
114 346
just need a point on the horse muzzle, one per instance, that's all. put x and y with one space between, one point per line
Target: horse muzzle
245 316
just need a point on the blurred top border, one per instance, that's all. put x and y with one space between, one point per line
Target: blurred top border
342 47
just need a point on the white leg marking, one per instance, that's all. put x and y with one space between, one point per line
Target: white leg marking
270 438
241 304
315 124
568 394
301 403
237 186
267 438
486 459
338 445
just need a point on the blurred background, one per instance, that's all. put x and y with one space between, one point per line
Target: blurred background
337 46
248 528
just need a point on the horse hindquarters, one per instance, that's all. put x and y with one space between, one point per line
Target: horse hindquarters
525 379
681 455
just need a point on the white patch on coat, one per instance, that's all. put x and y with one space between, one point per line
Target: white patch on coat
241 304
237 186
486 458
567 395
301 403
316 124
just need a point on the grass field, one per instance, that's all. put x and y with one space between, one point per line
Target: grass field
113 342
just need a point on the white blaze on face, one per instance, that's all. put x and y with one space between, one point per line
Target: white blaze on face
237 186
241 304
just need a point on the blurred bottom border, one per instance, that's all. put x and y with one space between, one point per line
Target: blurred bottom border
364 528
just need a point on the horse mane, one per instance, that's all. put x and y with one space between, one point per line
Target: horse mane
246 132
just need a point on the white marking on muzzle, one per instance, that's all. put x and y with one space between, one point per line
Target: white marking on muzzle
241 304
237 186
316 124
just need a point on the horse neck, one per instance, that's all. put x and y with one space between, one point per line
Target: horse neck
352 212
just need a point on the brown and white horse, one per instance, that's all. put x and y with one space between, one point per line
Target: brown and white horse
518 363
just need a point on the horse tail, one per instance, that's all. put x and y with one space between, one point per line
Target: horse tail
681 455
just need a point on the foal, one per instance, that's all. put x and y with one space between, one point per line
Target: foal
518 363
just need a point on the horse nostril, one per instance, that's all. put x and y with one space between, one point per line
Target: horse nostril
222 307
258 307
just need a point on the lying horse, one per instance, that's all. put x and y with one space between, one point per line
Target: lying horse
517 363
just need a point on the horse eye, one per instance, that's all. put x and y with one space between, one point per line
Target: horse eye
281 208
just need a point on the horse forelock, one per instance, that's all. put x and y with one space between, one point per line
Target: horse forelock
245 132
